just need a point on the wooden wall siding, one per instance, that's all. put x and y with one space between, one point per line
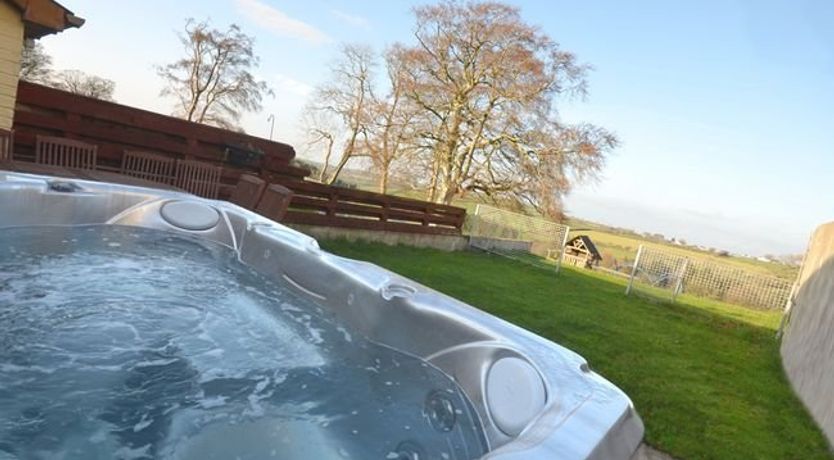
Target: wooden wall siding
11 45
318 204
116 128
67 153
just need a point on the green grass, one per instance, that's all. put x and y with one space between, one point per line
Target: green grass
705 377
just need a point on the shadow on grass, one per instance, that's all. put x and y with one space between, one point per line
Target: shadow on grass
708 383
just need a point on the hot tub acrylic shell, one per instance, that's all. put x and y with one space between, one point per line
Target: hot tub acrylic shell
535 399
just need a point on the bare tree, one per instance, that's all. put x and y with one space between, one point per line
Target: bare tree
36 67
213 83
485 85
78 82
390 130
35 64
322 130
345 98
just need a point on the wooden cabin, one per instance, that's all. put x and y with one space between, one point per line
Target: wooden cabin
581 252
24 20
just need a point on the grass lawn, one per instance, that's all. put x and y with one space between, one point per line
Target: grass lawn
705 377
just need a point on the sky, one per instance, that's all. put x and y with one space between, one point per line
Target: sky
724 109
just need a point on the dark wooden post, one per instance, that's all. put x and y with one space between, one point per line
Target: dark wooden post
275 202
332 202
248 191
386 206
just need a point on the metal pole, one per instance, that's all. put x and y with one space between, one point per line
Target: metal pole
271 119
679 284
634 269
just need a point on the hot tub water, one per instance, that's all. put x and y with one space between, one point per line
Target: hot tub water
122 342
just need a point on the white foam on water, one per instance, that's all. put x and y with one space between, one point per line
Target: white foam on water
127 453
130 344
144 423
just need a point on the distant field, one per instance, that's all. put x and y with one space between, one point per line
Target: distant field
624 248
620 244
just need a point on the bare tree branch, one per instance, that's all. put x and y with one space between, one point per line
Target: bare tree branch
341 107
76 81
213 84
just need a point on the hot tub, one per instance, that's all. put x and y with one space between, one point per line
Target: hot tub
138 323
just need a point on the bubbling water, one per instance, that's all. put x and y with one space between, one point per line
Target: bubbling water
119 342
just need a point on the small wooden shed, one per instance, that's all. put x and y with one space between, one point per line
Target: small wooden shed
582 252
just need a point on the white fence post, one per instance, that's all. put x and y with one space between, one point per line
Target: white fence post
634 269
562 249
681 275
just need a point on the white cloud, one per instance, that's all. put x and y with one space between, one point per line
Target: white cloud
280 23
351 19
285 84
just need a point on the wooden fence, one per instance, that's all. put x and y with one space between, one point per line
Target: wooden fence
318 204
116 128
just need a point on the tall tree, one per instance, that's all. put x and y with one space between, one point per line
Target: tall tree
485 85
35 64
344 102
213 82
78 82
390 130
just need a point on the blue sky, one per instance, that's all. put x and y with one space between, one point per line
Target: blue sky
724 109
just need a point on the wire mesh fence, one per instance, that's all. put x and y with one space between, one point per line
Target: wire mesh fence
529 239
666 275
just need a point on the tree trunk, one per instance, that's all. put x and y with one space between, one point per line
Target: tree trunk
342 162
383 180
449 191
323 172
433 184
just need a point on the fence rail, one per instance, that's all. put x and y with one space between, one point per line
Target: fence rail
318 204
666 274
